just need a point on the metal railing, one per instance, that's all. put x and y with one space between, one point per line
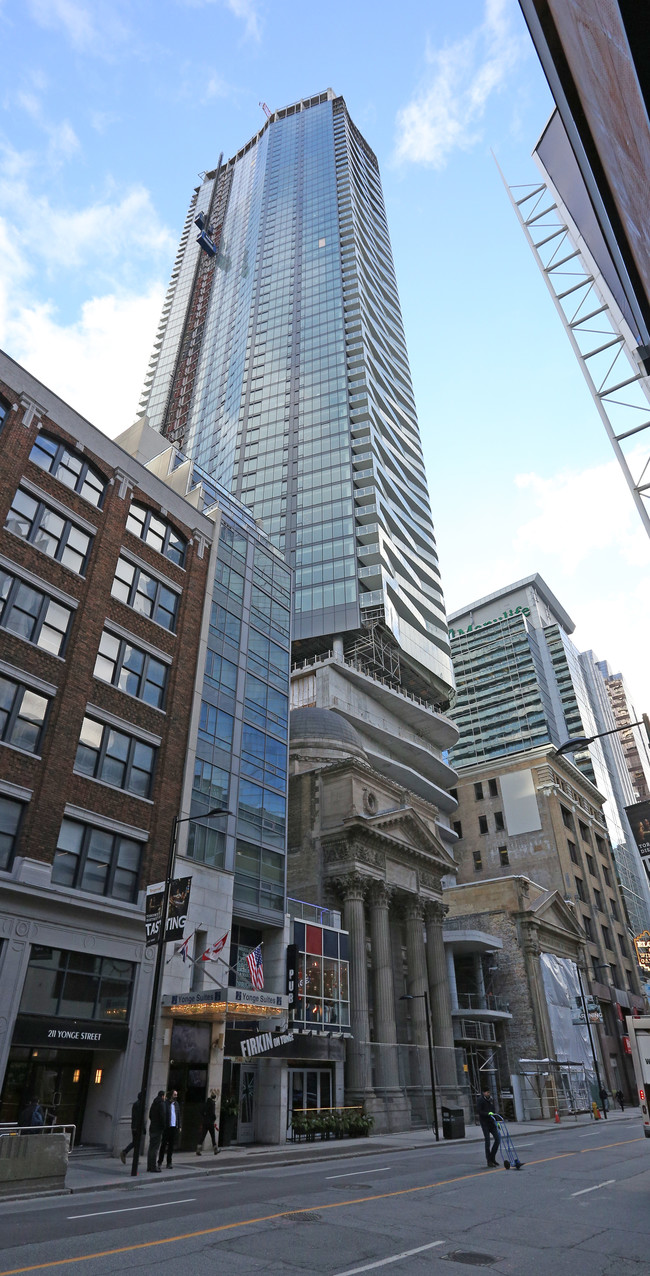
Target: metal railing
482 1001
358 665
8 1128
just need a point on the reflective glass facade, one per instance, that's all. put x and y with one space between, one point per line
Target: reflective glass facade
281 368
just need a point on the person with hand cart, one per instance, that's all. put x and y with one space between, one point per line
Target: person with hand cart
489 1128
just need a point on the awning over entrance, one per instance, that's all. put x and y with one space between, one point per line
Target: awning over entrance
226 1003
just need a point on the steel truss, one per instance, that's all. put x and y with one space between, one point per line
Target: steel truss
602 341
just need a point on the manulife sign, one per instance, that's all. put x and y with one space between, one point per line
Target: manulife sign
493 620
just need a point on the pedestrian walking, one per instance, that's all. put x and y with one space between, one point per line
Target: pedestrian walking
157 1117
137 1114
31 1116
604 1099
489 1128
172 1128
620 1100
209 1124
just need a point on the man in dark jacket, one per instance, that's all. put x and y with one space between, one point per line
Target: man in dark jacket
156 1131
172 1128
136 1114
209 1123
489 1127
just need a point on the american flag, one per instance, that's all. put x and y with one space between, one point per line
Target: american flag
256 967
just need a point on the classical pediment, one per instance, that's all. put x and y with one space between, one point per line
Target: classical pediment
551 910
404 828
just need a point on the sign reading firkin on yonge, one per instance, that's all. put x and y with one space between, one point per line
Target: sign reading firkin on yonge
494 620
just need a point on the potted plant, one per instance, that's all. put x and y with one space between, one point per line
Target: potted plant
228 1119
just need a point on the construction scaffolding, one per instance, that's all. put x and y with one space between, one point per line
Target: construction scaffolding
548 1087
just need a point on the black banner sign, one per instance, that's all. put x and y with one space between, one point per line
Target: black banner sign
292 975
179 899
77 1034
639 817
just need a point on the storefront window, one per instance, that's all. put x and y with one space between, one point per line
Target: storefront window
322 973
77 985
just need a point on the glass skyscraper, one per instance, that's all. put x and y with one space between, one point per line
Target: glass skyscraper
280 366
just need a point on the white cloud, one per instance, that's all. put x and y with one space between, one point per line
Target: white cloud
446 113
245 10
96 364
62 137
90 28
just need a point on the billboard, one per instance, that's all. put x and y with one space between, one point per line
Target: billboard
639 817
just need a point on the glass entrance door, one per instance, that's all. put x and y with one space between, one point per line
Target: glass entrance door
309 1088
246 1122
59 1079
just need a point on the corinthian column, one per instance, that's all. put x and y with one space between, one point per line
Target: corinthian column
352 889
385 1031
441 1021
416 974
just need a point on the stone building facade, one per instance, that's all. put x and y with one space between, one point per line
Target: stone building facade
366 845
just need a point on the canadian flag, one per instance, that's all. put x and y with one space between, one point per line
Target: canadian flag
214 949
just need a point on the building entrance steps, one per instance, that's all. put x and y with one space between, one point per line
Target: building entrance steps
90 1170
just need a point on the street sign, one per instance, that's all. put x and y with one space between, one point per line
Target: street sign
179 898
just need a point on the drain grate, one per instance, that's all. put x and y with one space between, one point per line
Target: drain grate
302 1216
469 1258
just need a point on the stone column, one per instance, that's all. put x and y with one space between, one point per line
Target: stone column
441 1020
416 967
385 1030
352 889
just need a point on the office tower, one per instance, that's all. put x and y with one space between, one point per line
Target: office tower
522 684
587 220
280 366
634 740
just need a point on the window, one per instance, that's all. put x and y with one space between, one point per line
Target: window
215 726
130 669
96 860
599 900
622 944
613 908
454 793
493 788
591 864
70 468
458 828
76 985
115 758
607 938
580 890
567 818
584 831
601 845
261 814
573 852
265 706
144 594
33 615
4 412
589 930
498 821
503 855
149 527
22 715
263 757
478 862
482 824
220 673
11 813
606 873
478 792
259 877
49 531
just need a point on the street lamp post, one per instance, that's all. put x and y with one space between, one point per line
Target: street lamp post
414 996
583 741
158 970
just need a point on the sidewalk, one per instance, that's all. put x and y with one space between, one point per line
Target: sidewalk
91 1170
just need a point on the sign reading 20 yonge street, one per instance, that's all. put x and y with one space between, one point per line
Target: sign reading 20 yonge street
179 898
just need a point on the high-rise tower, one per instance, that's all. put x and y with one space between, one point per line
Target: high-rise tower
280 366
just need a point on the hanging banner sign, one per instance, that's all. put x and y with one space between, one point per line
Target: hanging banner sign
639 817
594 1012
179 899
642 948
292 975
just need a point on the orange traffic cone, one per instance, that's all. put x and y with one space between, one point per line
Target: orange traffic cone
557 1117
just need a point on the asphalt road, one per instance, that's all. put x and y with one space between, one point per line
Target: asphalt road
579 1206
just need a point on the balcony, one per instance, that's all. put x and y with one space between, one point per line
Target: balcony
487 1005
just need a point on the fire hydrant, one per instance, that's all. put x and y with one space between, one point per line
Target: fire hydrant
595 1111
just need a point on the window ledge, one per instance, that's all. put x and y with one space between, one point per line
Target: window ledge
115 788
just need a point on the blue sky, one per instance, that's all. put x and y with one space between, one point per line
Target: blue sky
110 108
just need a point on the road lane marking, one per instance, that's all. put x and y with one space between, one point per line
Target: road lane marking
268 1218
395 1258
130 1209
355 1173
594 1188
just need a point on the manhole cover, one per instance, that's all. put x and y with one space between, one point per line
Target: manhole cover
470 1259
303 1216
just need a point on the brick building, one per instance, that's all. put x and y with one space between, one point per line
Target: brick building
103 575
533 813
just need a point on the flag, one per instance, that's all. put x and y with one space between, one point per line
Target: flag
256 967
213 951
182 951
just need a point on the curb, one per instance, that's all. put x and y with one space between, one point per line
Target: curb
273 1159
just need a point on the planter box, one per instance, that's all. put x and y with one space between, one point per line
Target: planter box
32 1162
